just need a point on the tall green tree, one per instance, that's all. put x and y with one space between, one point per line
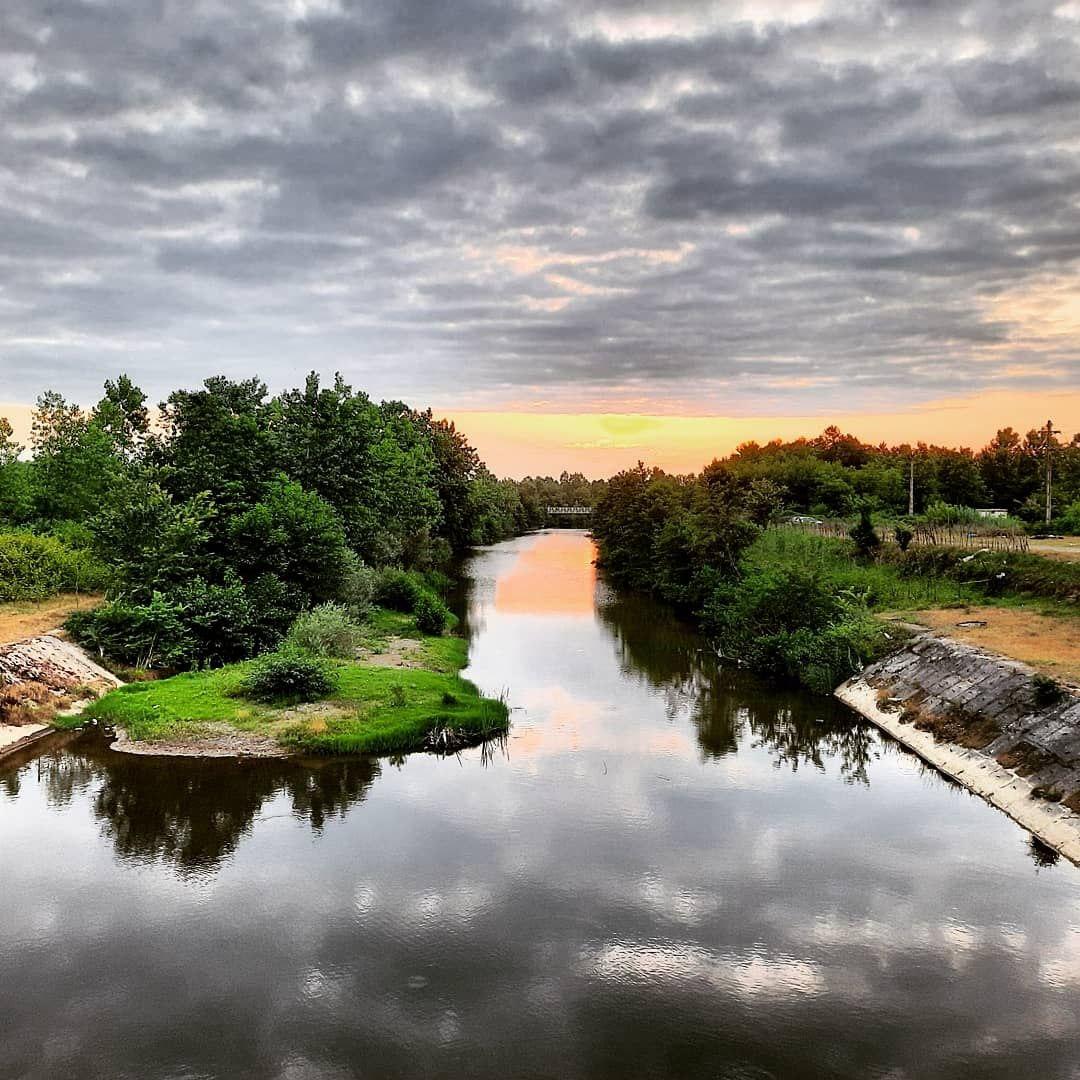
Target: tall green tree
76 464
16 499
370 462
217 441
1008 469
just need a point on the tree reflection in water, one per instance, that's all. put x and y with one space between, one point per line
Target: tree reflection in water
193 812
671 657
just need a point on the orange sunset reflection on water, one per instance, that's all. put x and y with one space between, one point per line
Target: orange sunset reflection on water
554 576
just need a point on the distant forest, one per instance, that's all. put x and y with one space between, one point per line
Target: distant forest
835 475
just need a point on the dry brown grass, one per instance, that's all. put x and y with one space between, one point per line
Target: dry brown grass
1067 549
1025 759
971 730
30 703
23 619
1049 643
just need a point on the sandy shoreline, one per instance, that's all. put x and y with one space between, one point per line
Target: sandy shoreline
227 743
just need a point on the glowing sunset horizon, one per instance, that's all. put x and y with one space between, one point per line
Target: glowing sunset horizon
521 443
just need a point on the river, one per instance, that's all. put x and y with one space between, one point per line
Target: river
668 870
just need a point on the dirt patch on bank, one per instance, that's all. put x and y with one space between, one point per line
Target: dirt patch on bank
394 652
41 677
209 741
25 618
1048 643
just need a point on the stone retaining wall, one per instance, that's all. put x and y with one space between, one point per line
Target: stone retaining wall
985 721
39 677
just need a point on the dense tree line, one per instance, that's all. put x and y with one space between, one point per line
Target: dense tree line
835 473
537 493
231 510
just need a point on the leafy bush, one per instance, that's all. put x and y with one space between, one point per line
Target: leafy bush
325 631
293 533
1047 691
153 634
154 542
289 675
232 621
1069 521
432 615
437 582
397 589
358 585
904 536
943 513
35 567
866 538
794 624
199 624
993 572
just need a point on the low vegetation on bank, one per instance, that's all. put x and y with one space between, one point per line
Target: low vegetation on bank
788 603
33 568
396 691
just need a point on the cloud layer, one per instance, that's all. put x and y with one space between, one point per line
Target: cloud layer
758 207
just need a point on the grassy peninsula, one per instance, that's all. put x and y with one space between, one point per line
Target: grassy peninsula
402 691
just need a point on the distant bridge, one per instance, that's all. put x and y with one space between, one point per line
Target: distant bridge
569 510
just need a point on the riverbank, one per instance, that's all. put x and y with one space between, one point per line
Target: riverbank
16 737
993 724
402 692
42 678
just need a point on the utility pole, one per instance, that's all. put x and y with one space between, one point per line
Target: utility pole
1048 449
911 487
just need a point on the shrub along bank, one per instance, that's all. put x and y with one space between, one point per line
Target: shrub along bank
246 539
218 521
37 567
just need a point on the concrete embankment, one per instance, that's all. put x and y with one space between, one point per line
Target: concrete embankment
39 677
988 722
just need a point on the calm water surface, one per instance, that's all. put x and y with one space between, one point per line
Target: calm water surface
670 870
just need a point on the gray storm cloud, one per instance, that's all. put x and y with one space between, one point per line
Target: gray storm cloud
487 202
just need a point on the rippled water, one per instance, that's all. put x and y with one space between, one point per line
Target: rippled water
669 870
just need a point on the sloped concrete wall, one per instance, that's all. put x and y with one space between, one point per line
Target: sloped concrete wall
58 667
53 662
980 719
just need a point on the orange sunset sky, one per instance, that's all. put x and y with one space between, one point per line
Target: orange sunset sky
599 444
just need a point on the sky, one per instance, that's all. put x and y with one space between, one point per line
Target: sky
589 233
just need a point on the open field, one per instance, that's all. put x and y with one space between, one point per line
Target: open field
1049 643
28 618
1066 548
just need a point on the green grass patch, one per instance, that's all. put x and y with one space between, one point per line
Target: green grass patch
924 577
883 585
373 709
